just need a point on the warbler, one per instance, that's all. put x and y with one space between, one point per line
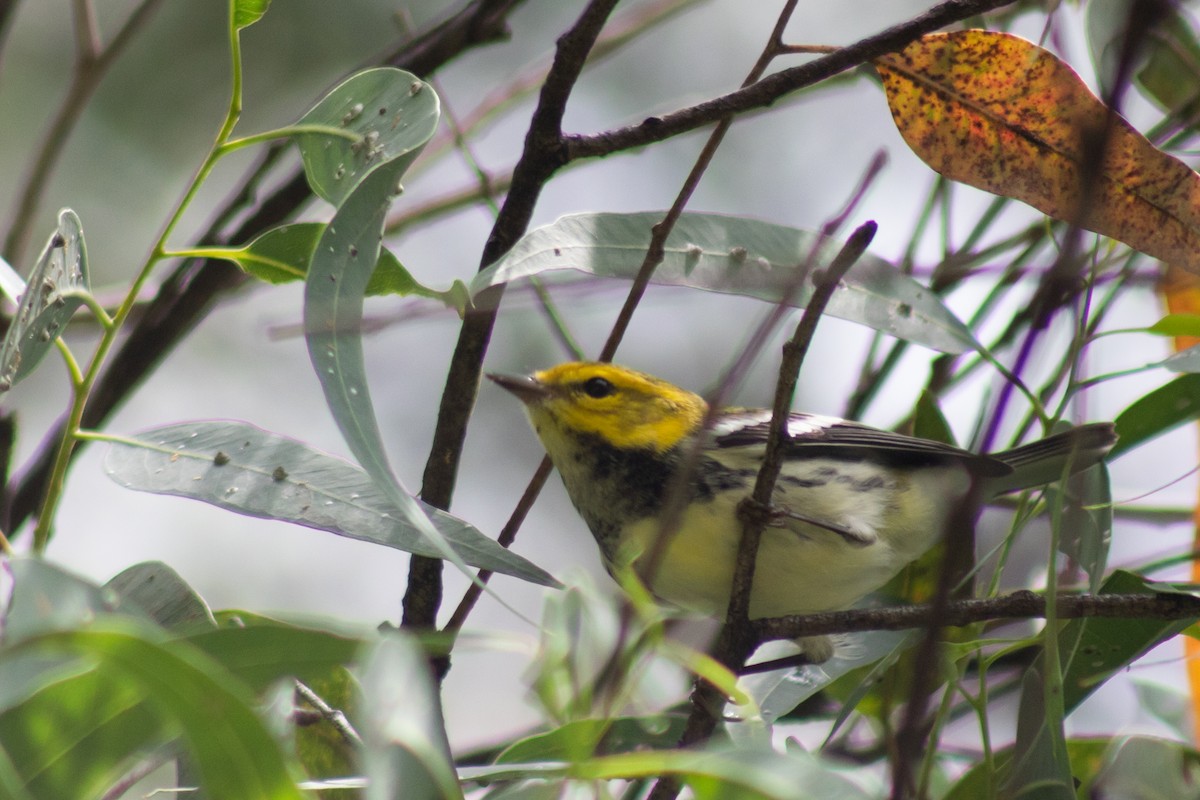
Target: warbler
852 505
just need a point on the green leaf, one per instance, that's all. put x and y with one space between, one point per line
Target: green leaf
333 313
282 255
736 772
930 422
235 754
1158 412
584 737
1171 75
1146 767
406 752
1176 325
46 597
100 727
393 111
47 302
163 595
1093 650
321 747
982 779
241 468
733 255
1041 767
1086 521
248 12
261 654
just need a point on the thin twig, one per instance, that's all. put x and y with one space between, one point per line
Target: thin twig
541 156
789 371
332 715
660 232
507 535
91 65
771 88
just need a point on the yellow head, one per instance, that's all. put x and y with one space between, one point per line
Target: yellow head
628 409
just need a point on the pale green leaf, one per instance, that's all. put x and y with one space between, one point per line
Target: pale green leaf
241 468
733 255
406 752
49 299
395 114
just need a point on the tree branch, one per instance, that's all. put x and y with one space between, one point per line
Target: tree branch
957 613
766 91
543 154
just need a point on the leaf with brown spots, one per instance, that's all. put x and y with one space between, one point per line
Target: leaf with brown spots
999 113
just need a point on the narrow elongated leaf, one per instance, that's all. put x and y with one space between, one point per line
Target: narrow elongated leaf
393 111
1041 767
1093 650
712 774
982 779
46 597
1177 325
584 737
282 255
101 726
47 302
1168 71
1146 767
1184 361
262 653
239 467
406 750
999 113
1162 410
234 752
733 255
333 314
1086 521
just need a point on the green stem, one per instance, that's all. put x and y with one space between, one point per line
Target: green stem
285 132
83 387
94 305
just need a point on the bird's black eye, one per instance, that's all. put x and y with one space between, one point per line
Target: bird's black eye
598 387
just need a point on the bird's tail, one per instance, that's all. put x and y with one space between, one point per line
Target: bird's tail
1044 461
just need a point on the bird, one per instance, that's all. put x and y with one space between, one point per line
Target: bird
852 505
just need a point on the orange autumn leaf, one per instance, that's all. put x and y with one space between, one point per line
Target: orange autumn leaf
997 112
1181 293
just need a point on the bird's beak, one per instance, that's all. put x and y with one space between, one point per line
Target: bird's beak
528 389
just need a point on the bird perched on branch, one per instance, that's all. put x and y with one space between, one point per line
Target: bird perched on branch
852 505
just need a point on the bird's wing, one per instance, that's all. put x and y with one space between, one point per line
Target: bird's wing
814 435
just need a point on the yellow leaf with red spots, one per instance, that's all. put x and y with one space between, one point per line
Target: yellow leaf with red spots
997 112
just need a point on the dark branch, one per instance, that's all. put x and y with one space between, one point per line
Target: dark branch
771 88
542 156
957 613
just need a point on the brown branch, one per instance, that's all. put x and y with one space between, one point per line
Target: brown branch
541 157
766 91
91 65
959 613
737 639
